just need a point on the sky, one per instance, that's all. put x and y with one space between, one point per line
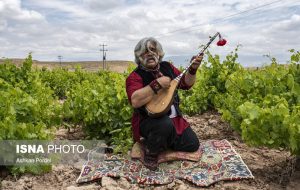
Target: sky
76 29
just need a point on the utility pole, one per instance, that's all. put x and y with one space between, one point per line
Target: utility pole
103 55
60 58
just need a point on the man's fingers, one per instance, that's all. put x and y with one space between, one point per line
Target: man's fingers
197 58
200 57
165 81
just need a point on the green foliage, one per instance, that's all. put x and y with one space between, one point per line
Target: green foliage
210 83
60 80
27 108
33 169
97 101
100 104
262 124
263 105
295 57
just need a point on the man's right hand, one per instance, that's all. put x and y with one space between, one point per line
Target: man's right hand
164 81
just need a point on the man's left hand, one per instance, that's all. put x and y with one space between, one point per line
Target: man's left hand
196 61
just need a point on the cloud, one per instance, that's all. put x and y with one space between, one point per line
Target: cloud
3 24
103 5
75 28
11 10
287 25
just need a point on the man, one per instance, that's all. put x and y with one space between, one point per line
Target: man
170 131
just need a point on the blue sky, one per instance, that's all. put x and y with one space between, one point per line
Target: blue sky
74 29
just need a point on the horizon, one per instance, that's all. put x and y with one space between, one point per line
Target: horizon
178 61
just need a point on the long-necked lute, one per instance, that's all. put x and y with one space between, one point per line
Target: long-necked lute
161 102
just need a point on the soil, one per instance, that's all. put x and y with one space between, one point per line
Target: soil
92 66
273 169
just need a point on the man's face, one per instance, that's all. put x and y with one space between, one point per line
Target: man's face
150 58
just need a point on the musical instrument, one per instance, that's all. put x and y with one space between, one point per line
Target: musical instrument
162 101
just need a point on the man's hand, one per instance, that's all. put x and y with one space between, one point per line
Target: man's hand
196 60
164 81
191 75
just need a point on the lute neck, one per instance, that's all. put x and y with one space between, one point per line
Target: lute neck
178 78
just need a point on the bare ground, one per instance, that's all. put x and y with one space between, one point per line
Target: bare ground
272 169
92 66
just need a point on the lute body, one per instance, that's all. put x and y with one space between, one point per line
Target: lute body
162 101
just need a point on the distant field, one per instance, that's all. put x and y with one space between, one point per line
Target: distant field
116 66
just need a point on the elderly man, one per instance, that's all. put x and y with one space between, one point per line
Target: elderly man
170 131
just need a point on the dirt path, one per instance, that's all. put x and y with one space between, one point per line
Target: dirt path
271 168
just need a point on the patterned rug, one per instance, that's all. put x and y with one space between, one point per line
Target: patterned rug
219 161
138 153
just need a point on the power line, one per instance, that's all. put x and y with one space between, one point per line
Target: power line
218 19
190 28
